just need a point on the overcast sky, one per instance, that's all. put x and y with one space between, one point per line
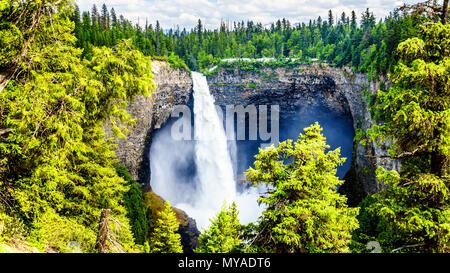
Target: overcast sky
186 13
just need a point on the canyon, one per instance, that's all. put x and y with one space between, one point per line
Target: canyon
337 90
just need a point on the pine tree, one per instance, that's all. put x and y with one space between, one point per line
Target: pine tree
136 209
353 23
415 117
105 20
113 17
200 33
367 19
224 233
304 212
200 48
158 38
78 26
55 159
165 238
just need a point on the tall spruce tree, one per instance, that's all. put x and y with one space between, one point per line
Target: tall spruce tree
224 233
304 213
330 18
94 15
415 116
104 19
165 238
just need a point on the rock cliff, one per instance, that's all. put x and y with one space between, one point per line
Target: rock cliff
338 89
173 87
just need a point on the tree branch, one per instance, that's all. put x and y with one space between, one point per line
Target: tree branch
444 12
4 131
400 156
408 246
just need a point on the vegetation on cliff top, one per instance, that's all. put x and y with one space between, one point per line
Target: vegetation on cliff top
415 115
356 40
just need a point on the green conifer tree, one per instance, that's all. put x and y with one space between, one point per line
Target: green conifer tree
165 238
304 212
55 159
415 113
224 234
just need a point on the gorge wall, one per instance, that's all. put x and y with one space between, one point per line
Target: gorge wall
338 89
173 87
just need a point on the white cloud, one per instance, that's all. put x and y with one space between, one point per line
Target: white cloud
186 13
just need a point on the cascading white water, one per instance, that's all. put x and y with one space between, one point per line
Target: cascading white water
198 175
214 168
215 176
214 179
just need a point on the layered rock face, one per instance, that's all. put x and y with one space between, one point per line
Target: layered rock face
173 87
338 89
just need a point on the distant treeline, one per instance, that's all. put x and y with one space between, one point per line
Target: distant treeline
365 44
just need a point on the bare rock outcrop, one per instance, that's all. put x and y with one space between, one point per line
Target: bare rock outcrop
339 89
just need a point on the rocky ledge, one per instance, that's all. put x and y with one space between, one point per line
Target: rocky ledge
339 89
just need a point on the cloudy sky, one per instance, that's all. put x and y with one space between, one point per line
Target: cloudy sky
186 13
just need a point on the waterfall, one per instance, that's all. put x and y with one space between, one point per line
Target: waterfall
215 176
213 182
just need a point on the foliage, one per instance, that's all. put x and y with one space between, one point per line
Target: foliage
165 238
416 118
154 204
368 47
174 61
11 228
416 214
416 110
257 65
224 233
372 227
62 234
136 209
121 237
304 212
64 74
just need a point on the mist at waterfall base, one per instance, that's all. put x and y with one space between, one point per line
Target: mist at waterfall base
337 129
195 175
